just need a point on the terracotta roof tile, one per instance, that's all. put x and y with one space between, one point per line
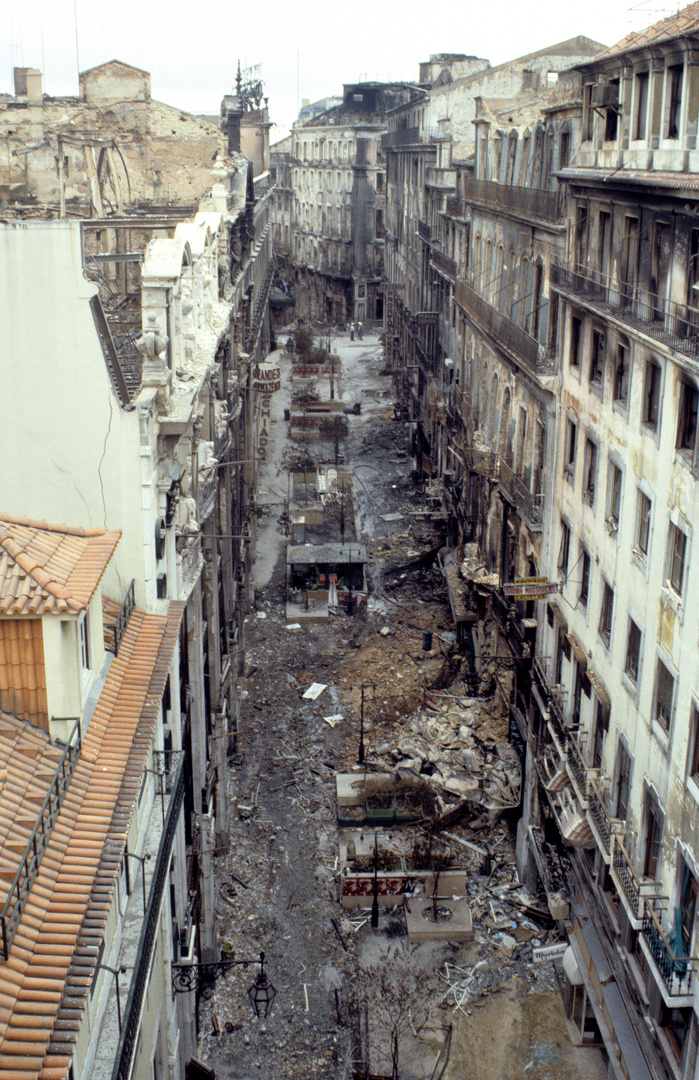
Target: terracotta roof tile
50 568
45 982
682 24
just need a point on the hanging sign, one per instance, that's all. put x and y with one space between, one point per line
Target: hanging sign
266 378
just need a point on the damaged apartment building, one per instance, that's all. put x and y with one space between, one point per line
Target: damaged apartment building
541 323
138 414
331 212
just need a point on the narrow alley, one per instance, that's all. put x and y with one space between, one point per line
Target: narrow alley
347 995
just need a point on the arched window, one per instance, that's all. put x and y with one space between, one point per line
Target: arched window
504 447
511 158
539 304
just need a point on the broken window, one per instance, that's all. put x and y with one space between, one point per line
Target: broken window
614 497
564 550
654 835
651 395
575 341
601 729
633 651
606 613
571 438
641 105
584 577
621 374
643 513
687 418
677 551
597 358
694 744
664 693
611 117
623 782
674 100
590 471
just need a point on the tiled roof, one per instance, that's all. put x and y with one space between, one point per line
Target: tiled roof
683 24
45 982
50 568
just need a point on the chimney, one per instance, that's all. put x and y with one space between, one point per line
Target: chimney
29 84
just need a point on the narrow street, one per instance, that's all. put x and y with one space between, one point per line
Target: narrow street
278 888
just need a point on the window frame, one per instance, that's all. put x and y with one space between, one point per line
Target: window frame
606 615
651 402
590 469
615 483
677 558
585 573
564 550
632 661
622 363
687 419
641 499
662 709
597 358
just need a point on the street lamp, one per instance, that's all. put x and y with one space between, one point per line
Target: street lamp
186 977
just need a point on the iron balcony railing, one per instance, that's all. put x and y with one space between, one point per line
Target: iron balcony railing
20 890
626 877
424 230
122 619
529 202
529 505
146 946
677 971
253 331
522 346
443 262
671 324
601 818
405 137
578 767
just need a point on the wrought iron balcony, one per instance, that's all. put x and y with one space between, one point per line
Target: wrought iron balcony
577 767
521 346
671 324
443 263
424 230
600 818
626 879
405 137
529 202
529 505
675 972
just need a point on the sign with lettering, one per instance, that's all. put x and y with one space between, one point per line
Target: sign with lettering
266 378
536 588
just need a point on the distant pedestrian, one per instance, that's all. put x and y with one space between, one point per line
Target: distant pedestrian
351 331
360 331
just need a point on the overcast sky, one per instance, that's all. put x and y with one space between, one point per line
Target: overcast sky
306 49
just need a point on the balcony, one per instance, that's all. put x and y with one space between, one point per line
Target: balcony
673 325
600 819
521 346
528 202
406 137
443 263
577 769
674 972
424 231
529 505
633 891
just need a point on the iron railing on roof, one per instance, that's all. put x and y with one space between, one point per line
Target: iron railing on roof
671 324
128 1039
122 619
20 890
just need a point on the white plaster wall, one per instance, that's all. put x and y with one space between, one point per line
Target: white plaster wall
74 450
61 660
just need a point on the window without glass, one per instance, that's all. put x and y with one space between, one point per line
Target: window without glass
688 905
623 782
601 729
590 471
611 117
687 417
571 439
654 836
575 341
584 577
597 357
694 744
641 104
674 100
643 523
651 395
606 613
633 651
621 374
614 505
564 550
677 543
664 692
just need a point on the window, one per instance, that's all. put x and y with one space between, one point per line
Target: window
651 395
623 782
654 836
84 635
674 100
584 577
664 693
606 613
687 418
590 471
641 104
614 497
564 550
601 729
633 652
611 116
571 439
643 512
693 769
597 358
677 545
575 341
621 374
688 905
